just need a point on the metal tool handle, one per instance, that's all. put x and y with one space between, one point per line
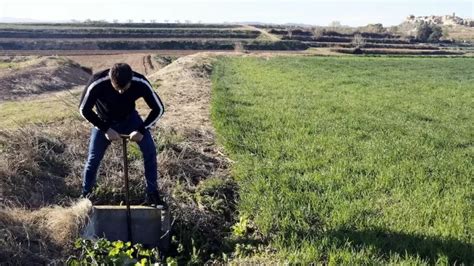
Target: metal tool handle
125 171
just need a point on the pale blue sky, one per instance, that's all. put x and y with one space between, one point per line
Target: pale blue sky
315 12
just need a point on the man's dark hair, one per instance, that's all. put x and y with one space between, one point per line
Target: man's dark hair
121 74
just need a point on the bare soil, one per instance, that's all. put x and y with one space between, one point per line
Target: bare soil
98 52
34 76
140 62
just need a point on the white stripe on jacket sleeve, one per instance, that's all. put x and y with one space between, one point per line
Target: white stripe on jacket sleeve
89 89
160 104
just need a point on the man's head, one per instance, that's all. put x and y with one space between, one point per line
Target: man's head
121 77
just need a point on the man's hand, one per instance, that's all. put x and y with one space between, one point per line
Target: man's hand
112 135
136 136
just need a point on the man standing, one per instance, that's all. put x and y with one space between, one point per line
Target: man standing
113 93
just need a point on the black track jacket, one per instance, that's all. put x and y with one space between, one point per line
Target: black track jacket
112 106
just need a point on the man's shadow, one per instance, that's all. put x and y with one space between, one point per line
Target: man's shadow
427 248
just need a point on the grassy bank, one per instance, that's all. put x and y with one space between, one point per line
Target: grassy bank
352 160
14 114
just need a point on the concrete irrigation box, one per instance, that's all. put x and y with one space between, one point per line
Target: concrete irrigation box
150 226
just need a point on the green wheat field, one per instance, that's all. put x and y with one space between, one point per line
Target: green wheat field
346 160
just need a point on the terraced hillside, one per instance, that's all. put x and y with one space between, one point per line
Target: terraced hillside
137 36
368 42
177 36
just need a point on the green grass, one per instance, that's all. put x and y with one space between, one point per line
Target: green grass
53 107
352 159
8 65
45 109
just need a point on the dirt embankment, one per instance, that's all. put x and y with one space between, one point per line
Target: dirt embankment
144 63
196 161
36 75
42 167
30 76
184 87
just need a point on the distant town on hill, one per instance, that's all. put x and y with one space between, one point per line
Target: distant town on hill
446 20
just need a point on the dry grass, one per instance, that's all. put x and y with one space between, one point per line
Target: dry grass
37 237
46 108
459 33
17 62
191 160
41 166
184 86
64 223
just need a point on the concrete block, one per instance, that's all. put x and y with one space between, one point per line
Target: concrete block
111 222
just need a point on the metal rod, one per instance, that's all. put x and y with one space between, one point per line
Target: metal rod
125 171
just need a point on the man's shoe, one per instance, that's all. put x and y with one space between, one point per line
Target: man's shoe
154 199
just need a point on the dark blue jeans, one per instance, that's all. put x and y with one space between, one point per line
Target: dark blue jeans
99 143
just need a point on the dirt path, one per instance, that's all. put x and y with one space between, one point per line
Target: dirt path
264 34
148 64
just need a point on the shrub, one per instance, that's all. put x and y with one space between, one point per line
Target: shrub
373 28
318 32
428 32
436 34
358 41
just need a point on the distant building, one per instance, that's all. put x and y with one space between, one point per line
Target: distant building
441 20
